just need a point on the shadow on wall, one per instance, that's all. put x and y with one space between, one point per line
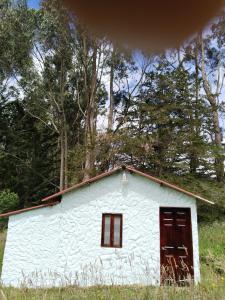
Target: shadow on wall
2 247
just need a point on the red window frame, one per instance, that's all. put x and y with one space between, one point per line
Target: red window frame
111 243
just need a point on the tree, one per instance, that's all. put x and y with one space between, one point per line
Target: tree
207 53
160 113
91 61
213 98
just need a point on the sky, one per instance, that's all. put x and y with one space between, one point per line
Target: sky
33 3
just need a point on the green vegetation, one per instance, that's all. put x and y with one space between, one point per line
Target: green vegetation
8 201
211 292
212 250
212 254
205 187
73 105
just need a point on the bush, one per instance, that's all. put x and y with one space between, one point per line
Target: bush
8 201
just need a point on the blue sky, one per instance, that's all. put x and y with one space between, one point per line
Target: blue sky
33 3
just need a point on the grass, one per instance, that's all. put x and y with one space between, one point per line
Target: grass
118 293
212 254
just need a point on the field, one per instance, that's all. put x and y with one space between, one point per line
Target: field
212 254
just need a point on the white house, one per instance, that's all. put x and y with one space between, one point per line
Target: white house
120 227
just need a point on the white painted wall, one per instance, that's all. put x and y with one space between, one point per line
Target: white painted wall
62 244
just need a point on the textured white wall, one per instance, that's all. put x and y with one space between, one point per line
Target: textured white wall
62 244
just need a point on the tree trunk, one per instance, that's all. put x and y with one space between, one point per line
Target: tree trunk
111 96
62 155
219 160
194 157
63 129
66 157
91 118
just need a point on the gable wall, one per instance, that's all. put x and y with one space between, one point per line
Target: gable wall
65 239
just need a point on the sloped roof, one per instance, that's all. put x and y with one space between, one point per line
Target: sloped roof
19 211
103 175
132 170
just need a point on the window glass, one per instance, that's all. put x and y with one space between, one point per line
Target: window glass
117 237
107 230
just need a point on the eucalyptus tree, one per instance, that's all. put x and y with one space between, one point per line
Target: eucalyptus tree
67 70
206 51
17 29
211 65
54 80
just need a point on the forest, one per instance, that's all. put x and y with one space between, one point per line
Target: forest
73 104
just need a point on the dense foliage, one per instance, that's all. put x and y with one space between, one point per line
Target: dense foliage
73 105
8 201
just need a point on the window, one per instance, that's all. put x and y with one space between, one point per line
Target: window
112 230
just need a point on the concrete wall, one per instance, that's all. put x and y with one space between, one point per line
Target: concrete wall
62 244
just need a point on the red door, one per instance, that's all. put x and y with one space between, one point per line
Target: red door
176 251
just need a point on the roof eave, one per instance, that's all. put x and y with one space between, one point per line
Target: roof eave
172 186
81 184
96 178
131 169
19 211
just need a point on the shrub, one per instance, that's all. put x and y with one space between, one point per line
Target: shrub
8 201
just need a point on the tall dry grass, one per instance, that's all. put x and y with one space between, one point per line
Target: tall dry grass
212 254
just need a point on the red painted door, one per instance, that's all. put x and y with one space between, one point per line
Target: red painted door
176 250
